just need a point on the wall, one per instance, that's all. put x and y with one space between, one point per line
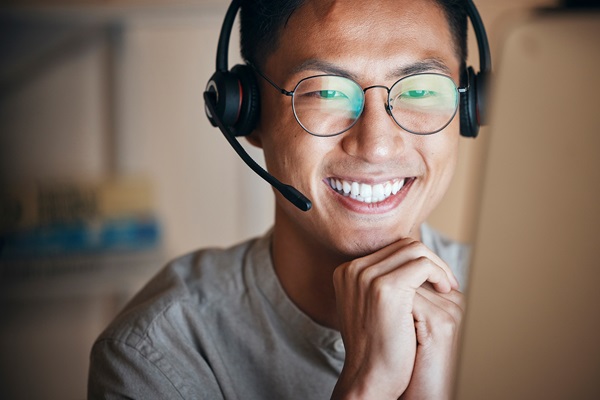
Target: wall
204 193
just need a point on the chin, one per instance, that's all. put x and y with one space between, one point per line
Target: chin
360 245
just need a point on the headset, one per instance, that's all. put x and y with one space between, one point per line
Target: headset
232 101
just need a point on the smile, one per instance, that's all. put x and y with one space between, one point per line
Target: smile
365 192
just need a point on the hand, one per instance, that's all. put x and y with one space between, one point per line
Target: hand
376 296
438 318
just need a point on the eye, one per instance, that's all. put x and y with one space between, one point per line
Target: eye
417 94
329 94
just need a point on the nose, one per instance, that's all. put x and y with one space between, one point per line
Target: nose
375 138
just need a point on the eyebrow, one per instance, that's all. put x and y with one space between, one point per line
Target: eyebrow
421 66
426 65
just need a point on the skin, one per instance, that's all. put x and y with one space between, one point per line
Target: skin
362 269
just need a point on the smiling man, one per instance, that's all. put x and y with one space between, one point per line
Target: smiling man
358 297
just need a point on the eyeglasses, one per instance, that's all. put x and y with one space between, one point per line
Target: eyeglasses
328 105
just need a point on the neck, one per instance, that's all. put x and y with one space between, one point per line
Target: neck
305 269
305 266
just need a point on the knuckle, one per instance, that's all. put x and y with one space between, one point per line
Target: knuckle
458 298
456 312
381 287
446 325
424 260
353 268
412 249
456 301
345 271
415 246
406 241
365 276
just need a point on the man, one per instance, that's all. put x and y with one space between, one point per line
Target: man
348 300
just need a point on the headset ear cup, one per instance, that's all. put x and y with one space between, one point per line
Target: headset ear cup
469 125
250 101
225 87
482 84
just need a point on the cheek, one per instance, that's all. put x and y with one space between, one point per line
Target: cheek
275 129
285 148
446 171
441 156
291 154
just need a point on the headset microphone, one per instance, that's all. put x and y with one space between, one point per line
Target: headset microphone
289 192
231 103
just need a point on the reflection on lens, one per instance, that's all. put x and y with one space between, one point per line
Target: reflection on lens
327 105
424 103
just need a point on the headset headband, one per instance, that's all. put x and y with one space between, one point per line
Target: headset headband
483 46
485 59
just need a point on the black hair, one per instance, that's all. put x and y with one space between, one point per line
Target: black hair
261 23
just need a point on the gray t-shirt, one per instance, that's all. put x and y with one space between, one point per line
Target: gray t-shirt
216 324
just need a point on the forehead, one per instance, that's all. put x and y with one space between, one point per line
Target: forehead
367 35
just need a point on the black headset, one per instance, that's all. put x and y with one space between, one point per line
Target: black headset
473 102
232 100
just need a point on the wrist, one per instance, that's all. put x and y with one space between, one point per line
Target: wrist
433 377
373 386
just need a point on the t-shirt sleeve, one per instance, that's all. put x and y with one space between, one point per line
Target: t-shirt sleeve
120 371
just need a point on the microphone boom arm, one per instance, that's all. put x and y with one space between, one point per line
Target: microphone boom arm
289 192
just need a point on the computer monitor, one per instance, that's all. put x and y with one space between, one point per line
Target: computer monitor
532 325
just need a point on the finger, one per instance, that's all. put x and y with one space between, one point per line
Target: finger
412 250
383 253
454 296
434 323
413 274
452 302
443 264
363 270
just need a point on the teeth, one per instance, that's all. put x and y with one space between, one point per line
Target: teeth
378 192
396 187
365 190
367 193
346 187
387 189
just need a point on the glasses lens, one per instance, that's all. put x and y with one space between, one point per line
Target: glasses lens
424 103
327 105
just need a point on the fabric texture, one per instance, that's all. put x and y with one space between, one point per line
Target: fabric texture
216 324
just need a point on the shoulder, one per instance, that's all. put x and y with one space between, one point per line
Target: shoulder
454 253
152 337
196 279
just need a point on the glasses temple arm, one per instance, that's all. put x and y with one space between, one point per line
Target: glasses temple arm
266 78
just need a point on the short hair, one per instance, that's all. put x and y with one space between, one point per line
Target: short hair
262 21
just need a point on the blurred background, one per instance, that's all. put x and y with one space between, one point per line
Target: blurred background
109 168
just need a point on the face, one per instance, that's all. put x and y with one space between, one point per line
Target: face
375 44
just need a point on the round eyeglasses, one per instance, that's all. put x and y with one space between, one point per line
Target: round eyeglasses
328 105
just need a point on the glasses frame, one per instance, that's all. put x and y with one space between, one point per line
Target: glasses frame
459 90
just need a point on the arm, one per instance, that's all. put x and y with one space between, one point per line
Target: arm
378 297
120 371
